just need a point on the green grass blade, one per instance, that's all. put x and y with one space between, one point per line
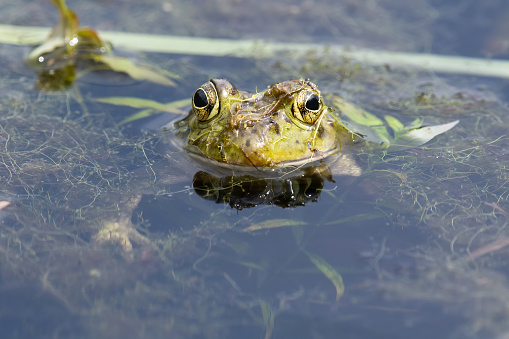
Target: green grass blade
124 65
330 272
275 223
268 318
171 107
24 35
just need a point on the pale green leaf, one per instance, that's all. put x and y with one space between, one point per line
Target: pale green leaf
375 134
356 114
362 122
415 124
275 223
397 126
125 65
379 134
329 272
419 136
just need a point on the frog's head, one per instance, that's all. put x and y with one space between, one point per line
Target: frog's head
287 123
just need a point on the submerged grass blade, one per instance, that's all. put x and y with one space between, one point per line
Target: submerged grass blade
329 271
356 218
139 115
23 35
252 265
268 318
151 107
171 107
275 223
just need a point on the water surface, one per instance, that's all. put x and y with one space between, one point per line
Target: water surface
419 240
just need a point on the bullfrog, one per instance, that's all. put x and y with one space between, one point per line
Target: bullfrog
286 125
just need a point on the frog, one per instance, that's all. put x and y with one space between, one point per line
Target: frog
287 125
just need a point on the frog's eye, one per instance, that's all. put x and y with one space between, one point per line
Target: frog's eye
307 107
206 102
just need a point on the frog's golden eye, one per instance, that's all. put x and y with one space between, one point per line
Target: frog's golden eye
307 107
206 102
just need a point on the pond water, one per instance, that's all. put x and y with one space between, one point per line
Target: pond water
416 246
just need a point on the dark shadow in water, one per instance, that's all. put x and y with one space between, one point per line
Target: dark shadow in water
247 191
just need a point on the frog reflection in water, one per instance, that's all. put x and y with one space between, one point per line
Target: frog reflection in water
286 125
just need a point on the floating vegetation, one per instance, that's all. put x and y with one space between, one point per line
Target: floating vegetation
375 130
70 48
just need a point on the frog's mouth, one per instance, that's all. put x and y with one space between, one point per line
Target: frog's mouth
316 155
285 167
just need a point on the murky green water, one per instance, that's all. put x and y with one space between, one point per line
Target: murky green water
415 247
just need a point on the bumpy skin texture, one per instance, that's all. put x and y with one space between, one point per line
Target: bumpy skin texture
284 124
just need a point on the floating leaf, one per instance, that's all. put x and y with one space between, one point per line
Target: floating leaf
329 272
417 123
356 114
362 122
394 123
268 318
397 126
125 65
419 136
275 223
